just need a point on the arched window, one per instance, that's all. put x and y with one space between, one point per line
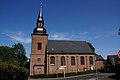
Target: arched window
82 60
91 60
72 60
62 60
38 60
52 60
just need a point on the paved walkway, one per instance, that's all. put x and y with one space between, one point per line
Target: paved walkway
100 76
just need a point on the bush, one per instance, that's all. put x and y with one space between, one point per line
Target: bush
47 76
71 74
12 72
117 71
86 72
61 74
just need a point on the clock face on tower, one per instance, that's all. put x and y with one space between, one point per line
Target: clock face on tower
39 29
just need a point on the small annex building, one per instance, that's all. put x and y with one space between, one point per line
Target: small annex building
100 62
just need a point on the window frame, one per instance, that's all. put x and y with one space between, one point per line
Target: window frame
52 60
62 60
38 60
91 60
72 60
82 60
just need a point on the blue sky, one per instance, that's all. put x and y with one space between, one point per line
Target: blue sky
94 21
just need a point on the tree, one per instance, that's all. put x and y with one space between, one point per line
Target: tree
7 56
91 46
9 67
20 53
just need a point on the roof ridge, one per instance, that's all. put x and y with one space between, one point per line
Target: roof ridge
68 40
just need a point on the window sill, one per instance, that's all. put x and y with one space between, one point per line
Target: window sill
52 64
63 66
82 64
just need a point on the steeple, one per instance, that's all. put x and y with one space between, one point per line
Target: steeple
40 16
40 22
39 41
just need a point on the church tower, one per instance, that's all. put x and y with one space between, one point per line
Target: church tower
38 47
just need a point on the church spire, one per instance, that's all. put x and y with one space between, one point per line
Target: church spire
40 13
40 22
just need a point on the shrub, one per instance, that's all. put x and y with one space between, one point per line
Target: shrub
117 71
12 72
47 76
61 74
86 72
70 74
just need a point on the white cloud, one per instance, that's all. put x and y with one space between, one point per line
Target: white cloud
59 36
68 36
94 37
18 37
86 36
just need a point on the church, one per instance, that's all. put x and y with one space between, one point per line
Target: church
58 56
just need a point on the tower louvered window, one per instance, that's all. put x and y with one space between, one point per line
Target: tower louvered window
39 46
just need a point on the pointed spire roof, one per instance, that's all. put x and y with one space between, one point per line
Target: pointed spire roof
40 22
41 9
40 13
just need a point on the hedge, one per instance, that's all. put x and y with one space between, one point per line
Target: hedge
12 72
61 74
47 76
117 71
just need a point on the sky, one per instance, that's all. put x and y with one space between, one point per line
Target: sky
94 21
